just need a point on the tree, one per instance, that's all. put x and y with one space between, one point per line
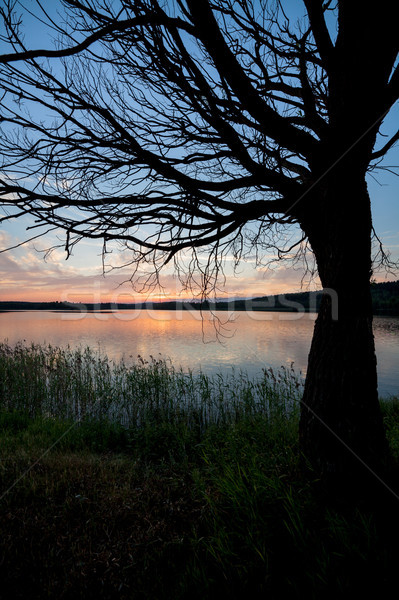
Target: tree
212 124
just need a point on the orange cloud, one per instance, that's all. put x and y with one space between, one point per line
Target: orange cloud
24 275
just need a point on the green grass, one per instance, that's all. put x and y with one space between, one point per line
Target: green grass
143 481
76 384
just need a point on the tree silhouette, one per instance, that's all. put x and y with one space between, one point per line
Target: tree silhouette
212 126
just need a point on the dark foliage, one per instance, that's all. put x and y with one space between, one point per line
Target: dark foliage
195 131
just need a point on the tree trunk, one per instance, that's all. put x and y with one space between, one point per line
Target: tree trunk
341 428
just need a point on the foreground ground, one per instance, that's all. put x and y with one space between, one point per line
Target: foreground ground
106 514
176 505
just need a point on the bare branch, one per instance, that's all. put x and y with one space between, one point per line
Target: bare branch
325 47
274 125
382 151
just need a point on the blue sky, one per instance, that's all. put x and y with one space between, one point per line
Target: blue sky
24 274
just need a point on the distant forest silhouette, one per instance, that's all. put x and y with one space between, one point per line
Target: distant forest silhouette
385 299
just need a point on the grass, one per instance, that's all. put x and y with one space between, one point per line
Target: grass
76 384
143 481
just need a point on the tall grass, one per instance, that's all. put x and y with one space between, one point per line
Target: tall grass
174 485
76 384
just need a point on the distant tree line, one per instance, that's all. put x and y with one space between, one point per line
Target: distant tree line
385 299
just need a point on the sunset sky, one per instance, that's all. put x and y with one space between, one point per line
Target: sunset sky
26 274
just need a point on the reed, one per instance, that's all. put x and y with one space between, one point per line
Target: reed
76 384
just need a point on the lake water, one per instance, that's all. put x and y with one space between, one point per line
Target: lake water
251 342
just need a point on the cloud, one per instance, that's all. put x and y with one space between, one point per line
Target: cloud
25 275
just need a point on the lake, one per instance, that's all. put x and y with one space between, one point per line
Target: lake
251 341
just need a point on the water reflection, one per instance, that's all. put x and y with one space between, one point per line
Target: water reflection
250 341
